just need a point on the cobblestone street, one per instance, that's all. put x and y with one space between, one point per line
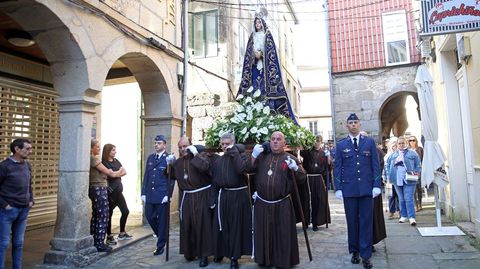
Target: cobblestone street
403 248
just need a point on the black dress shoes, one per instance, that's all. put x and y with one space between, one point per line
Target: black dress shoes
355 258
203 262
367 264
315 228
234 264
158 251
218 259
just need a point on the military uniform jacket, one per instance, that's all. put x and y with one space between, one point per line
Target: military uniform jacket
356 172
154 185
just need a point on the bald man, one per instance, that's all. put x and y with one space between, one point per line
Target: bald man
191 173
275 233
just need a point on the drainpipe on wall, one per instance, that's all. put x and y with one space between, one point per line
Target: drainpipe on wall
185 67
330 77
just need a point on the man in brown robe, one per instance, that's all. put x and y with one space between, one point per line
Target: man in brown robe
191 173
315 163
232 203
275 233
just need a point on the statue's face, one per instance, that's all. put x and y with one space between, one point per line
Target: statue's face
258 25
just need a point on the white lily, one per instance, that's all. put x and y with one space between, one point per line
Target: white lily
266 110
249 115
239 97
263 130
256 93
244 130
250 89
253 130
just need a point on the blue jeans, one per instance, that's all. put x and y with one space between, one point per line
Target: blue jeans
393 202
12 222
405 199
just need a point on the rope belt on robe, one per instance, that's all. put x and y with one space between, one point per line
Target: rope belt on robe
255 196
190 191
219 202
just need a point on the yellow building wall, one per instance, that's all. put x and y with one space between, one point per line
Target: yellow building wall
473 76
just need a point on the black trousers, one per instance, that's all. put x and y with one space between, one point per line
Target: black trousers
116 198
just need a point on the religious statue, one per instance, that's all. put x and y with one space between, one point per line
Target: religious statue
261 69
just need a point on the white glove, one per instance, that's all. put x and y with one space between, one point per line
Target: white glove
376 192
257 150
170 159
143 198
165 199
291 164
339 195
192 149
229 147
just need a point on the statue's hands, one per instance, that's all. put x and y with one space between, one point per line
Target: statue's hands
258 54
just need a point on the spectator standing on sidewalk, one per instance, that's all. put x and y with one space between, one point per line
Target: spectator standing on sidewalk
393 205
402 162
115 193
357 182
413 144
16 199
191 173
154 191
97 192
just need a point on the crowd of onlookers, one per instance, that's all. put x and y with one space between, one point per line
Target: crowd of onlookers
402 179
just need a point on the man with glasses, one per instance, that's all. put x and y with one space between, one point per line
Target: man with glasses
357 182
16 199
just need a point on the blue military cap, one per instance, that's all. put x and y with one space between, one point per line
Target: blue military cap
353 116
160 138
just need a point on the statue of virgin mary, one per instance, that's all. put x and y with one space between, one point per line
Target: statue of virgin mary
261 70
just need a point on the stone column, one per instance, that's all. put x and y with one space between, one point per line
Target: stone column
72 244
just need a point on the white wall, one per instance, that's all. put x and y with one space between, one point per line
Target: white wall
121 108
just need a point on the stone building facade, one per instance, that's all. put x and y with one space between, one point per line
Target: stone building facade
79 45
378 98
373 64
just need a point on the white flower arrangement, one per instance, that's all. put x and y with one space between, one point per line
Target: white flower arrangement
253 122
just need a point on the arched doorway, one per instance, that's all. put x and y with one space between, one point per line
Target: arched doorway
134 102
395 113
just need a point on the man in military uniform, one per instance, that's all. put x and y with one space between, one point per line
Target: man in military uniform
357 182
154 191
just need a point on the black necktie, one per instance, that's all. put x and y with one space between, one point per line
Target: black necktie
157 156
355 145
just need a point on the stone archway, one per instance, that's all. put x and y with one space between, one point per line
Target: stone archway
393 115
79 58
72 243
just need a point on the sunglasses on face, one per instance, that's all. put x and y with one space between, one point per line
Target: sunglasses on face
412 140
